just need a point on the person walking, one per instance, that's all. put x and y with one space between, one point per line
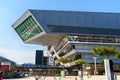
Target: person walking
1 75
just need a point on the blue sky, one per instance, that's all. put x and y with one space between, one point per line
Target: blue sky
12 47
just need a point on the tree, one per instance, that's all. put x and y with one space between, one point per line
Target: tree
105 51
117 56
64 60
80 62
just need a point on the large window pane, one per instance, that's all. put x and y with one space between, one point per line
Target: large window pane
28 29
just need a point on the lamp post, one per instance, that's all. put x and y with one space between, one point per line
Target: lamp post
95 71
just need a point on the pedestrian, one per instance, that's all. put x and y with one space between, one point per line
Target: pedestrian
1 75
17 74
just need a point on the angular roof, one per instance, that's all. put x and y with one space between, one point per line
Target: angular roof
57 24
3 59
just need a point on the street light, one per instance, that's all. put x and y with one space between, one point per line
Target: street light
95 71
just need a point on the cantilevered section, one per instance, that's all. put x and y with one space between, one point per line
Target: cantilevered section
49 27
31 31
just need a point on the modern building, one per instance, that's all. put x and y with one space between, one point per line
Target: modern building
6 64
45 60
71 34
39 57
3 59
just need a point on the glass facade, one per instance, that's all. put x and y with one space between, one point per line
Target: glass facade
84 30
100 39
84 51
28 29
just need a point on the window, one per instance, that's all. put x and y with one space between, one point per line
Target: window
28 29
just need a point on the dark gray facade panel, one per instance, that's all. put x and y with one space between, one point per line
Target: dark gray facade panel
84 30
39 57
75 18
78 20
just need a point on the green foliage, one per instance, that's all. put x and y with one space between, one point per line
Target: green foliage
64 60
80 62
105 51
102 61
117 56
